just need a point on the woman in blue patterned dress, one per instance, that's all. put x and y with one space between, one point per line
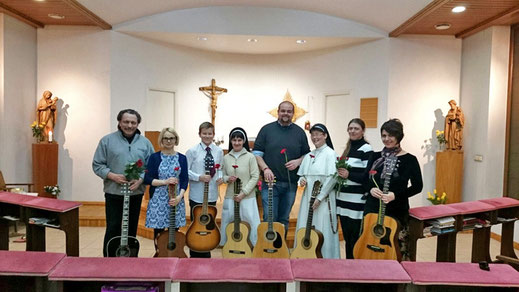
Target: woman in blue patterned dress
166 167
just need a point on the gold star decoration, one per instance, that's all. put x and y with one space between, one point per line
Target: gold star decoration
298 112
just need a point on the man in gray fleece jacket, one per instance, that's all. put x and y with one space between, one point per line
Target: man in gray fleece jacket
113 153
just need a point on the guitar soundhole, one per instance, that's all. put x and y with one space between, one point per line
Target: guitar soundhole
236 236
306 243
123 252
204 219
172 246
379 230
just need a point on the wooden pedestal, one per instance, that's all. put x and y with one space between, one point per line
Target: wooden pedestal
449 174
44 166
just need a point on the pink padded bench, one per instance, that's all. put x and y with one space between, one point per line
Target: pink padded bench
417 218
330 274
508 209
461 274
26 270
231 273
84 271
66 213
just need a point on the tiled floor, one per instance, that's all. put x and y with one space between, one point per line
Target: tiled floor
91 241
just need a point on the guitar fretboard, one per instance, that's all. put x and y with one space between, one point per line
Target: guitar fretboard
125 189
270 215
389 167
315 191
172 213
206 195
237 220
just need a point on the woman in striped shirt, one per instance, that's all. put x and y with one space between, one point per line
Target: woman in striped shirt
351 199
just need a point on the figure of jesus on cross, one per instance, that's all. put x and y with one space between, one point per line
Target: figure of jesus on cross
213 92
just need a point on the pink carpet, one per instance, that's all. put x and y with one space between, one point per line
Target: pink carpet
462 274
233 270
434 211
28 263
114 269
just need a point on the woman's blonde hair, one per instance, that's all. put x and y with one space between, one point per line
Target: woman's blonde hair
170 130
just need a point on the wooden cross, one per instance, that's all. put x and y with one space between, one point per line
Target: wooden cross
213 92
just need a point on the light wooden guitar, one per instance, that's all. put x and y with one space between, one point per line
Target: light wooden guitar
124 245
203 234
309 240
379 232
171 243
271 235
238 244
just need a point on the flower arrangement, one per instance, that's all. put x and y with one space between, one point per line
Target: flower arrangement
440 136
37 130
134 170
437 199
53 190
342 162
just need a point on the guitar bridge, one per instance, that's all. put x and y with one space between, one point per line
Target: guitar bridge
375 248
203 233
237 251
270 250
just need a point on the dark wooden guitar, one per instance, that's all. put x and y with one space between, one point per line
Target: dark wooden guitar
203 234
171 243
238 244
309 240
124 245
271 235
379 232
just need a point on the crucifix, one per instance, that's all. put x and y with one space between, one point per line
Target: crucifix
213 92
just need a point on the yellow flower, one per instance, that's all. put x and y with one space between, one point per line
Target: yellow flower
33 124
437 132
441 132
429 196
438 199
434 191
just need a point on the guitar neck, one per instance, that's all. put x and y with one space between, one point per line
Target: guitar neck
270 217
206 195
237 220
310 218
126 212
385 190
172 214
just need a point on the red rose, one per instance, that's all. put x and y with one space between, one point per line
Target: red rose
312 156
342 157
177 168
235 166
283 151
372 172
139 163
217 166
338 158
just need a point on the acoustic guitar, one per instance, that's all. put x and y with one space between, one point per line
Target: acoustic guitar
309 240
379 232
171 243
271 235
203 234
238 244
124 245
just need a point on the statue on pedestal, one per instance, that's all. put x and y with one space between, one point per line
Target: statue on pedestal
454 123
47 114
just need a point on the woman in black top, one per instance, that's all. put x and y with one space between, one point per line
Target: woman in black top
350 197
407 169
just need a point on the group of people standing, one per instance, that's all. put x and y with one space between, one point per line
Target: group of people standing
281 152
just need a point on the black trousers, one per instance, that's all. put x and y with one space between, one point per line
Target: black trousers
351 232
192 253
114 217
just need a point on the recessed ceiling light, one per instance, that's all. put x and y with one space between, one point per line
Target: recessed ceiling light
202 38
56 16
252 40
442 26
301 41
458 9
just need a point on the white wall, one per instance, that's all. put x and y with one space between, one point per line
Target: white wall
17 103
423 77
74 64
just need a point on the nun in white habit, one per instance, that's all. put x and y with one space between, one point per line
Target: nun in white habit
319 164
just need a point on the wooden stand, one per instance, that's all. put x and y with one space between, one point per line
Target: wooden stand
44 167
449 174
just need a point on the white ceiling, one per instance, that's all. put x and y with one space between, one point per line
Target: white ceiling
383 15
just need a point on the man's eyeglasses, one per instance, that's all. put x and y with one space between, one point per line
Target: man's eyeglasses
169 139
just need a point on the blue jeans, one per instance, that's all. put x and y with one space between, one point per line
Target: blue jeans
282 201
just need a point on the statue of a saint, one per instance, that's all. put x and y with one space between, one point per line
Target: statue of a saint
46 113
454 123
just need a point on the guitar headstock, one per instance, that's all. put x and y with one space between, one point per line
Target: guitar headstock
316 188
270 184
